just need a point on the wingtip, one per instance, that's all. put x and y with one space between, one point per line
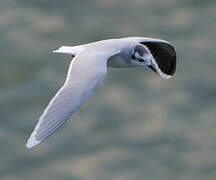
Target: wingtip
32 142
165 76
158 70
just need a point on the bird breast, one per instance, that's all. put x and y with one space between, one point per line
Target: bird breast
118 61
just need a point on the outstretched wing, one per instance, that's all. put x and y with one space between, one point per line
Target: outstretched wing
86 71
164 58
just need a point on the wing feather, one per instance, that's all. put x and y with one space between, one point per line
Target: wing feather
86 71
163 53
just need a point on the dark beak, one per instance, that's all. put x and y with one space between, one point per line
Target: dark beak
151 67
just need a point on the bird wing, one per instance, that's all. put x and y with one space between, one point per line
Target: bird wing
163 53
86 71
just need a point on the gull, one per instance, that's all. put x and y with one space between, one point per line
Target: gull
89 67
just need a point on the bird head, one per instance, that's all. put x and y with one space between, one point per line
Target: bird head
161 58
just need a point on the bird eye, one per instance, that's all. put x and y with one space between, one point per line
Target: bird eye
136 56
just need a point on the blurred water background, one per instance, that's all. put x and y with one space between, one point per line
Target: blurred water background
136 125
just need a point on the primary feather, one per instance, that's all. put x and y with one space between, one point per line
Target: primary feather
82 78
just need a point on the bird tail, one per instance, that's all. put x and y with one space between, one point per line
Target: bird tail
71 50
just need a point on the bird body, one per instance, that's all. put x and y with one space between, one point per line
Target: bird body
88 68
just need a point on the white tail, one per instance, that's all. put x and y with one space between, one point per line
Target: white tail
72 50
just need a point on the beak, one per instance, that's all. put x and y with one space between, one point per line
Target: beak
151 67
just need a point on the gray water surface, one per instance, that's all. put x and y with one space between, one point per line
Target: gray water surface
136 125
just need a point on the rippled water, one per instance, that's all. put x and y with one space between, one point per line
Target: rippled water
136 125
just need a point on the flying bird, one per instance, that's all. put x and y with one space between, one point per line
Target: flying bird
89 67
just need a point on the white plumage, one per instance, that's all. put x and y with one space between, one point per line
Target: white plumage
89 68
